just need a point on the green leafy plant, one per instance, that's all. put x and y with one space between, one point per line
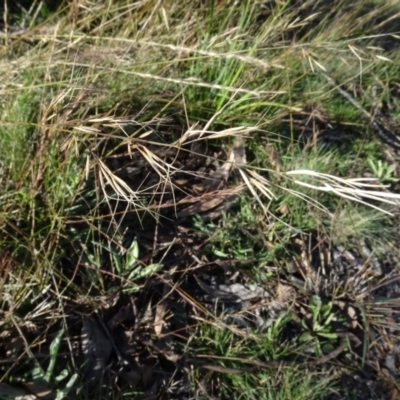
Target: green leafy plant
278 325
385 172
129 268
49 378
319 329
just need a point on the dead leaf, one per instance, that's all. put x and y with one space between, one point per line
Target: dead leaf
283 209
161 308
120 317
14 346
96 349
274 158
244 293
215 293
237 155
132 377
239 151
285 293
40 390
147 376
210 201
219 177
10 392
234 293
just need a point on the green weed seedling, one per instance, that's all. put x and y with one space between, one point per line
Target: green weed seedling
383 171
320 329
276 328
129 267
48 378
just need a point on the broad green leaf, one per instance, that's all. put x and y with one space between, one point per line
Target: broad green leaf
306 337
61 376
54 347
328 335
62 393
132 255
